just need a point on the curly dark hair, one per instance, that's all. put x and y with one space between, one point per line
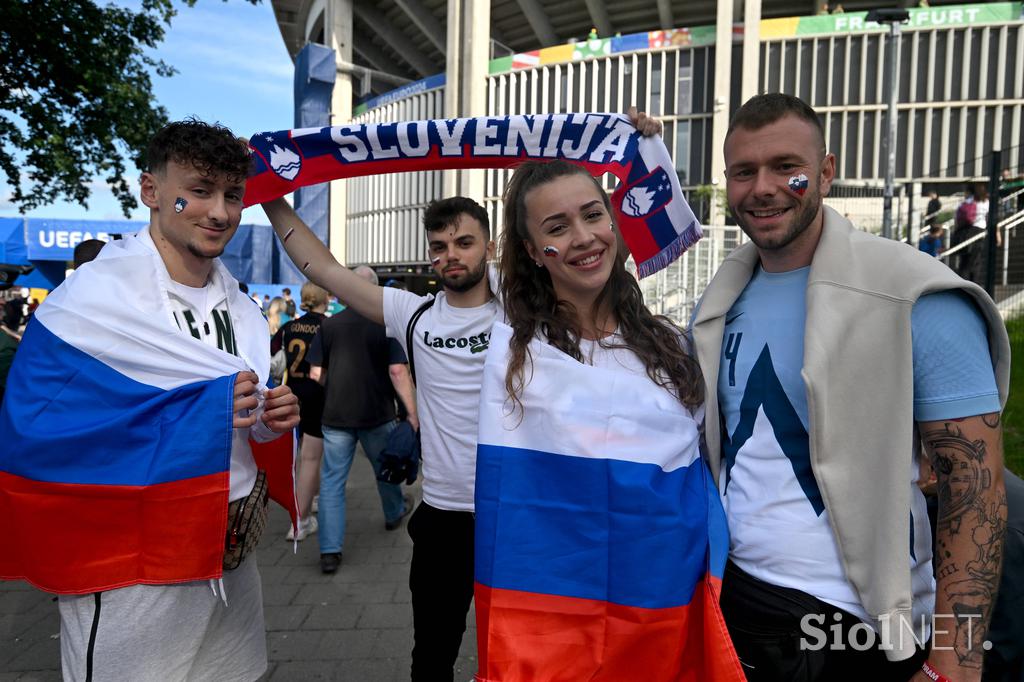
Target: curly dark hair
212 148
531 305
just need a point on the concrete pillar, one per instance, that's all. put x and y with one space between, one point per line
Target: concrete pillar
468 45
476 54
751 49
452 91
720 109
338 36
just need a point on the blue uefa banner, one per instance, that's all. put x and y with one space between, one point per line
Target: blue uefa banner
47 239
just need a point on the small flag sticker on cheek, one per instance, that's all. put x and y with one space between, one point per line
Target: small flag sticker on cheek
180 204
550 251
435 261
798 184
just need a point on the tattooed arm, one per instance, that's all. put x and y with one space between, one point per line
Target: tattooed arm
967 456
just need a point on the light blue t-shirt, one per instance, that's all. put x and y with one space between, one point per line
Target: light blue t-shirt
779 527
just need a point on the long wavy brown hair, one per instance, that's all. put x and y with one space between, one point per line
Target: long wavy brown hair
531 305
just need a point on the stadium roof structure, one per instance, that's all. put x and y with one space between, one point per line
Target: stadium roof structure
406 38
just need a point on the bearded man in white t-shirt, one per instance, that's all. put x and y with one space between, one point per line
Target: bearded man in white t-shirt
450 341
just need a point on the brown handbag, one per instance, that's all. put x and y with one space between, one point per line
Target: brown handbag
247 517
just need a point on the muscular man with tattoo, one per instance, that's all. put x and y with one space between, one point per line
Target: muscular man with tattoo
832 358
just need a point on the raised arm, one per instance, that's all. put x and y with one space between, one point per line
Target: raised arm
315 261
967 456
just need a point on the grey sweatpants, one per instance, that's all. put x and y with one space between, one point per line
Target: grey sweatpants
167 632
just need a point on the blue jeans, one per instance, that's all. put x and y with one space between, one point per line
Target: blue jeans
339 451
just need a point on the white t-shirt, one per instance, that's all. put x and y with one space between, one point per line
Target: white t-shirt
449 347
981 213
203 313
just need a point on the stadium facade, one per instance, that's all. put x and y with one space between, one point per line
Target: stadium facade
960 95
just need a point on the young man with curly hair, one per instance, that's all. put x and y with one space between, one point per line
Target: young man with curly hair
145 292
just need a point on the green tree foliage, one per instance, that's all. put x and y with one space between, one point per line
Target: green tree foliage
76 96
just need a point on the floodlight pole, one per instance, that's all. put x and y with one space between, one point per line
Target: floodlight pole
894 18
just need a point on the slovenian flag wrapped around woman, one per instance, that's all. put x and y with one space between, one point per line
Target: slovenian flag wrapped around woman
600 538
117 431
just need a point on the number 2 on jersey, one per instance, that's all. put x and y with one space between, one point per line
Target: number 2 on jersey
298 347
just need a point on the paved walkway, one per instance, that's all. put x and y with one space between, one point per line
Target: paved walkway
353 625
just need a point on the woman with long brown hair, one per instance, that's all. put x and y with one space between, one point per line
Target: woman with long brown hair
600 538
564 277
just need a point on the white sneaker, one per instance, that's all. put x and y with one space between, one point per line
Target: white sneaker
307 527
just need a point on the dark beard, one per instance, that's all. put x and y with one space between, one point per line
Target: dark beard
797 227
470 280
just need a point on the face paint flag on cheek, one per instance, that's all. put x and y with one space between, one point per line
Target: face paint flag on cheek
798 184
180 204
550 251
435 261
654 219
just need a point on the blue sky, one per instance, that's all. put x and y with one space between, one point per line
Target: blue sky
232 68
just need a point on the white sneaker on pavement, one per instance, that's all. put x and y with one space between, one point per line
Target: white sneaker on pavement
307 527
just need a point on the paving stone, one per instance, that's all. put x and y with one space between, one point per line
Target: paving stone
468 647
39 676
389 555
287 618
333 616
11 623
348 644
466 667
40 656
393 643
386 616
363 670
293 646
290 671
385 539
279 594
22 602
272 576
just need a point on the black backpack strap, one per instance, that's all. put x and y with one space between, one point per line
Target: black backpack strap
409 330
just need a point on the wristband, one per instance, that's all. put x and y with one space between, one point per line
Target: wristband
933 674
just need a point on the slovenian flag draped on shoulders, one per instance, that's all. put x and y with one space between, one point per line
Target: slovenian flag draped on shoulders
117 432
653 217
600 538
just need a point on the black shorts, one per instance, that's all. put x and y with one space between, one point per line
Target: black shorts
311 411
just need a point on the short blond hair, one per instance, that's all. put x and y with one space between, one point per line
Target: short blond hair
312 296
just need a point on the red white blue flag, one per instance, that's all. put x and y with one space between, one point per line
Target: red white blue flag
117 433
600 537
654 218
